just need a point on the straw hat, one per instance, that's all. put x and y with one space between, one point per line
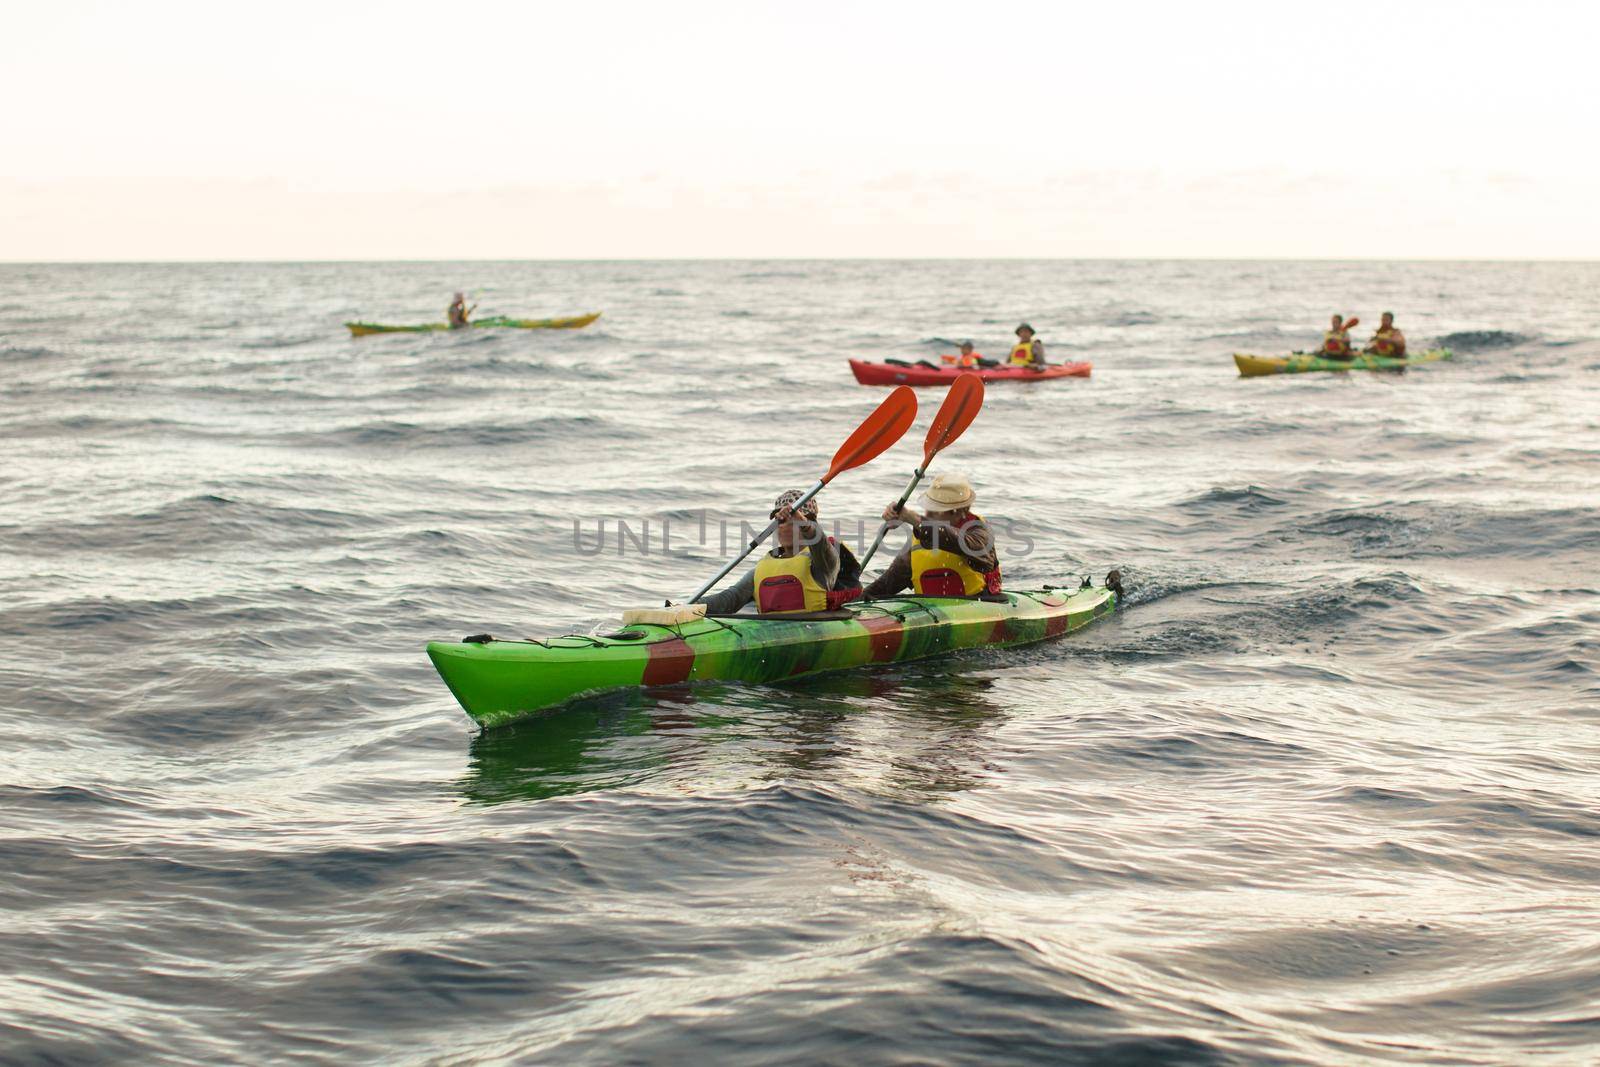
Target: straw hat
947 493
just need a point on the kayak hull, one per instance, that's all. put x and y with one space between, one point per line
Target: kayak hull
575 322
868 373
1301 362
499 682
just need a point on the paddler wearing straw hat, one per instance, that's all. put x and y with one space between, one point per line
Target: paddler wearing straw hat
952 552
1028 351
806 571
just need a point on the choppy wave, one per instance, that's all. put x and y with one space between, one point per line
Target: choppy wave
1133 318
24 352
1483 340
1433 530
405 435
81 426
281 342
194 522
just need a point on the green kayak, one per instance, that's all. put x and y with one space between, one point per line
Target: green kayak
576 322
1300 362
499 682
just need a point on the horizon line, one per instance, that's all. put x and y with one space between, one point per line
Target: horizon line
801 259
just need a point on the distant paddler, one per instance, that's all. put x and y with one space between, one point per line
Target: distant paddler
1336 342
952 551
966 359
1388 341
807 571
1028 351
458 312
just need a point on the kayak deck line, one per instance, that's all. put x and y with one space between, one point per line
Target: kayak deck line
636 631
499 682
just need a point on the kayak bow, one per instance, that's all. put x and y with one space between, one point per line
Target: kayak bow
499 682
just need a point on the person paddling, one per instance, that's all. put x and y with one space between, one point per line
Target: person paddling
952 552
1388 341
1336 342
967 359
807 571
459 311
1028 351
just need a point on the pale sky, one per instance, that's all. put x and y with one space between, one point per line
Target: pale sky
618 129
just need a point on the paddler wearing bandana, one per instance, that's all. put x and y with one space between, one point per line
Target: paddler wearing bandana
807 571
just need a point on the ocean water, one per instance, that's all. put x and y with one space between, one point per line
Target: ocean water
1326 792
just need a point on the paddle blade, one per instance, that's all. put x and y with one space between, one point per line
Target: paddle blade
960 407
881 429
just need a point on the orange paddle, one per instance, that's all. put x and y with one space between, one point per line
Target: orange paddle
960 407
882 428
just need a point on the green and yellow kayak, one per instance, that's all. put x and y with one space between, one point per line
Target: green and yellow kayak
576 322
1300 362
499 682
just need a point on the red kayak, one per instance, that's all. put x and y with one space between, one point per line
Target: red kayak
918 374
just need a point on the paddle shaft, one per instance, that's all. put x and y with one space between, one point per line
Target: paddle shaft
883 531
756 543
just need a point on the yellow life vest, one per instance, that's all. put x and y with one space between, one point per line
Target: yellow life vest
1382 344
784 585
1336 343
1022 354
935 572
939 572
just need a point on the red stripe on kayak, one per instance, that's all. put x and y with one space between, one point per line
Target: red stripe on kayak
887 635
670 662
1055 625
1001 632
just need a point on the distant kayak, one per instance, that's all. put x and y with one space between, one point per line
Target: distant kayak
498 682
576 322
1255 366
919 374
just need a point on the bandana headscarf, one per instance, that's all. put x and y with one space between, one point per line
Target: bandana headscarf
787 498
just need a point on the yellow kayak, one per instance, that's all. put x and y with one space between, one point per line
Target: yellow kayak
1300 362
576 322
